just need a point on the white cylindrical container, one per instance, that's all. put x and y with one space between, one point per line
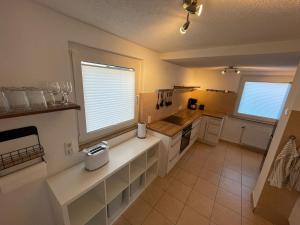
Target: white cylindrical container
141 130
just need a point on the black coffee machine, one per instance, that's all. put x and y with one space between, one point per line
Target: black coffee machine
192 103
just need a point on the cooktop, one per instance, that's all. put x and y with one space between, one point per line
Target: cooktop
175 120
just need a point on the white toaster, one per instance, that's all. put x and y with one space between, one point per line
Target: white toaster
96 156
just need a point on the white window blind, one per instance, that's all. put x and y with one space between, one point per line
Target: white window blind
109 95
263 99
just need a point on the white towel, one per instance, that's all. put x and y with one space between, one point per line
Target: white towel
294 179
282 165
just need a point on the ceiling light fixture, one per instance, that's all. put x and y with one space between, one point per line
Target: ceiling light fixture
192 7
230 68
186 25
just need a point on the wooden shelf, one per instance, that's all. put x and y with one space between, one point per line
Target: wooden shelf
57 108
185 87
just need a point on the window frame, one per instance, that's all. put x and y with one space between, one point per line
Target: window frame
258 78
81 53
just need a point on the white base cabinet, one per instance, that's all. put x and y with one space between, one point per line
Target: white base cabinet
247 133
210 130
99 197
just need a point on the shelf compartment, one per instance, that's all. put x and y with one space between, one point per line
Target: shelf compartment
99 219
137 186
151 173
26 112
116 183
87 206
152 156
138 167
117 205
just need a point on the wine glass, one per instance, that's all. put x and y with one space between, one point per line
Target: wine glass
66 90
53 89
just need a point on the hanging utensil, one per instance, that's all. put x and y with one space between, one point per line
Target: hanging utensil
166 99
171 98
162 99
157 102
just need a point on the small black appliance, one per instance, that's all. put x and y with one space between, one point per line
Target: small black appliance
192 103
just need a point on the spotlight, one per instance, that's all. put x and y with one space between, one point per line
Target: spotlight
185 26
223 71
237 71
199 11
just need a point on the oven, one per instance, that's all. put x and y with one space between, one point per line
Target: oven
185 138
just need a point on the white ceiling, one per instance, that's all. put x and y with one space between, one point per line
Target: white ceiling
271 60
155 23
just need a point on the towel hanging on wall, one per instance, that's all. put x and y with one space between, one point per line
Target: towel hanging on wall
294 181
284 162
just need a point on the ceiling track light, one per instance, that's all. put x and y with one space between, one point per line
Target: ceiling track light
230 68
186 25
192 7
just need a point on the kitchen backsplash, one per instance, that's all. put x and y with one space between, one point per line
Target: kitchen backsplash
213 101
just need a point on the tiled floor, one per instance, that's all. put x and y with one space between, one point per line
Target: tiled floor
208 186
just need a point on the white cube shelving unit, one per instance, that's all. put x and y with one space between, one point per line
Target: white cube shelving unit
99 197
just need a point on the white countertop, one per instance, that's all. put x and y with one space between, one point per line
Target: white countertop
75 181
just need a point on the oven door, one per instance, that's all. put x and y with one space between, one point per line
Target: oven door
185 139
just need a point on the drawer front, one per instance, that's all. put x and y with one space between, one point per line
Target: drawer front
172 162
175 139
196 123
174 150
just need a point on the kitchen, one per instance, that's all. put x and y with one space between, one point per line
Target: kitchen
211 148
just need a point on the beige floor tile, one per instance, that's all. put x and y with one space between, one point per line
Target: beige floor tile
155 218
191 217
152 194
186 178
205 188
121 221
137 212
213 166
179 191
162 183
248 213
231 174
231 186
200 203
224 216
246 193
210 176
248 181
193 167
229 200
169 207
233 165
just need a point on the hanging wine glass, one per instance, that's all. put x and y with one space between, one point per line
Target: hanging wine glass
53 89
66 90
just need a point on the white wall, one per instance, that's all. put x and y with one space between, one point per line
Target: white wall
212 79
34 49
292 104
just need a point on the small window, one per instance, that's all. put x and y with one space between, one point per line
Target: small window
109 95
106 89
264 100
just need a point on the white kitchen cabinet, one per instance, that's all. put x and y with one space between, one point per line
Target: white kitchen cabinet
210 130
169 151
195 130
247 133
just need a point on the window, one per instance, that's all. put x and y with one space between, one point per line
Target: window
264 100
106 89
109 95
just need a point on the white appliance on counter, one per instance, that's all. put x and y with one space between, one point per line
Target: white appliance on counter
96 156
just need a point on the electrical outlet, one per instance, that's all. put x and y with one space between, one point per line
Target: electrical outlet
68 149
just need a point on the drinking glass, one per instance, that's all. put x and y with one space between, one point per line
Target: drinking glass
53 89
66 90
